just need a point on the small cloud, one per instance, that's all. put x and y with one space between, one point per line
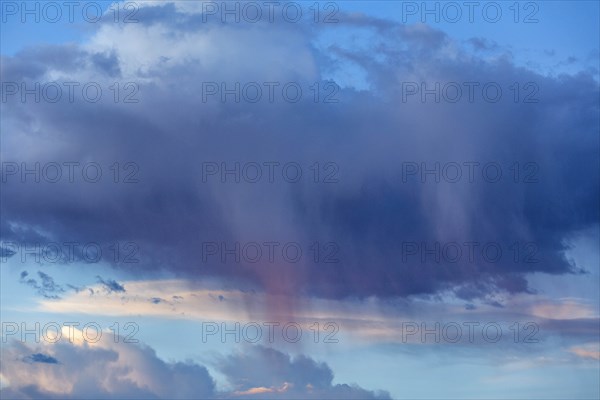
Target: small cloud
566 309
216 298
494 303
263 390
591 351
47 287
482 44
111 285
48 283
6 253
77 289
40 358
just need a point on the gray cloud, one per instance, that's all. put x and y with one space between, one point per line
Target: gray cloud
111 285
40 358
47 287
119 370
369 213
108 371
285 377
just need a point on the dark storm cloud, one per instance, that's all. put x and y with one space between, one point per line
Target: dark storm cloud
369 213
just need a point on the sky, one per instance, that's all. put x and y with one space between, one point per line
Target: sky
300 200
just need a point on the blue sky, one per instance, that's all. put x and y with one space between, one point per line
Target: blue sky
356 177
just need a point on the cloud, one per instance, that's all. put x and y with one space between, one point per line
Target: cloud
40 358
285 377
99 370
107 369
47 288
564 309
571 321
483 44
6 253
369 213
590 351
111 285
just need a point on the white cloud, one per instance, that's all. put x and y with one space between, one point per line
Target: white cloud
107 369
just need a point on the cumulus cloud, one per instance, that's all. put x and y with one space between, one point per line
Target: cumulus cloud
285 377
82 369
74 368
